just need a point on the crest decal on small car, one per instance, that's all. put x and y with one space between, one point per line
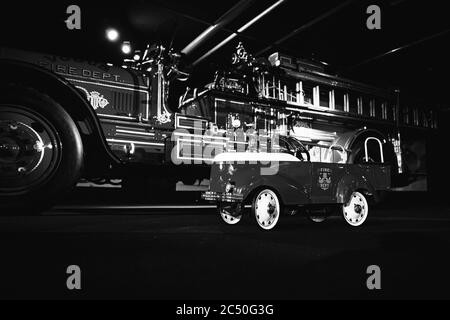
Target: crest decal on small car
324 180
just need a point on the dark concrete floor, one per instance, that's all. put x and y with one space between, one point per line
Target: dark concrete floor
190 254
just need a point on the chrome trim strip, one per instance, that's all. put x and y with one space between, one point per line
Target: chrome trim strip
136 132
136 142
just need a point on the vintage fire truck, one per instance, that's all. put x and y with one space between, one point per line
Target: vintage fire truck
336 119
62 119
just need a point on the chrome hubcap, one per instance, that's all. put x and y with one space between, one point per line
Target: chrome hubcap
29 150
267 209
21 148
356 211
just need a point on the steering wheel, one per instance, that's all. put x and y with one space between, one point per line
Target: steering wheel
299 154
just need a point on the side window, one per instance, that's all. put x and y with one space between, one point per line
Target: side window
405 115
394 115
385 111
339 100
379 112
366 107
426 118
308 93
416 117
324 96
353 103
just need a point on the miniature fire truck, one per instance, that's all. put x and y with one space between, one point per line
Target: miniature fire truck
285 182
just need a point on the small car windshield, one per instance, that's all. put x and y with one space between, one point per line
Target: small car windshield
293 146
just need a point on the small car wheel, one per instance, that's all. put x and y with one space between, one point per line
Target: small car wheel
231 214
266 209
356 211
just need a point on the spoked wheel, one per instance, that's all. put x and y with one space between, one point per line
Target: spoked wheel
266 209
231 213
356 211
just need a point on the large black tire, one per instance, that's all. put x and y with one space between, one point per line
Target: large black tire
41 151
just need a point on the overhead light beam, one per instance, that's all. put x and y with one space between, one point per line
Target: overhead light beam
409 45
241 29
306 26
259 16
226 18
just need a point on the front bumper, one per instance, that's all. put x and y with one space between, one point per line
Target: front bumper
222 197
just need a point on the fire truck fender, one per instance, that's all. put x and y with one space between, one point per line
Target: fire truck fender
351 183
363 133
98 155
354 141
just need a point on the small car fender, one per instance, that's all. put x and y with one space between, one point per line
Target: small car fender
350 183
